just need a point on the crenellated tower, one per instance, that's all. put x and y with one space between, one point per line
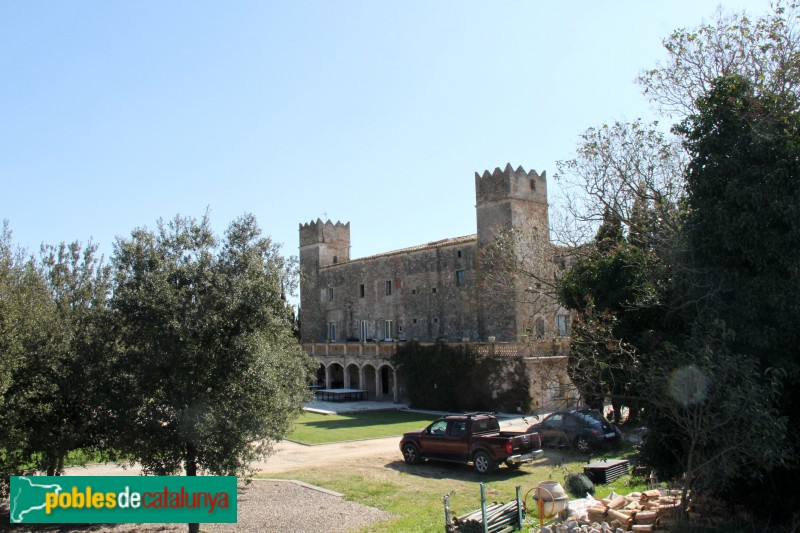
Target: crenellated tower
508 199
321 244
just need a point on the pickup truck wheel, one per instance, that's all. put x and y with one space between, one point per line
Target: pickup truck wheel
411 454
483 463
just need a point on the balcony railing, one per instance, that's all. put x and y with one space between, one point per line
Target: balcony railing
555 347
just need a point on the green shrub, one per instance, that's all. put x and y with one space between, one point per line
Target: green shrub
454 378
578 485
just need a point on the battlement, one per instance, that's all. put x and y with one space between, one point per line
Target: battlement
509 183
319 232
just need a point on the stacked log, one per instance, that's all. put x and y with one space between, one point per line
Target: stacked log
638 512
499 519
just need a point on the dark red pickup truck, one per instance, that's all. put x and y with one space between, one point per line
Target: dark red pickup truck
474 438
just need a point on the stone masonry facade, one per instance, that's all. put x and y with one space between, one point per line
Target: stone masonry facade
431 292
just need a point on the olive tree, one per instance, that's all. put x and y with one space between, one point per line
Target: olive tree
211 374
53 336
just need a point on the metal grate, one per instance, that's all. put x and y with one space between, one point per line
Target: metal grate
606 471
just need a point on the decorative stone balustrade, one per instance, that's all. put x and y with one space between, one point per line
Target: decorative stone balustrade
537 348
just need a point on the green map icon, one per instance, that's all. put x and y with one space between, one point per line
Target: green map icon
28 499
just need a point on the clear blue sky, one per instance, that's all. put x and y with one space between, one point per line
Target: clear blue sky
113 114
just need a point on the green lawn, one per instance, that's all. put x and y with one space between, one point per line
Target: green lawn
414 493
312 428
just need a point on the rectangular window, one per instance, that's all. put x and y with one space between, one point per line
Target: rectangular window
540 328
387 330
459 278
330 294
332 332
361 291
459 253
388 287
562 325
364 330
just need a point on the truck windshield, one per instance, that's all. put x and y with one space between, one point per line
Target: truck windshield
485 424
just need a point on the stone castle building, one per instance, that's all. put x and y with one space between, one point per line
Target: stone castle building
449 290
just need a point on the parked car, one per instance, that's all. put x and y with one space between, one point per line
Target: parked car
580 429
472 437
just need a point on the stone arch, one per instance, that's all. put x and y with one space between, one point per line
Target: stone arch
335 376
352 377
369 374
320 375
387 382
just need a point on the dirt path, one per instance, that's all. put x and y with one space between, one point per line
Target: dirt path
289 456
292 456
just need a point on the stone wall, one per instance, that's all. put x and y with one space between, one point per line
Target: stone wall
426 292
444 290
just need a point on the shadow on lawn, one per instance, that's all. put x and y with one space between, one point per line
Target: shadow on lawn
552 460
370 418
457 471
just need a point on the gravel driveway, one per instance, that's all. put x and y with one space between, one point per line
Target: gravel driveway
268 505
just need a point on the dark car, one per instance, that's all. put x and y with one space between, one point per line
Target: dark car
580 429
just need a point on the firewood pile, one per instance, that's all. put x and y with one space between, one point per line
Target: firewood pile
636 512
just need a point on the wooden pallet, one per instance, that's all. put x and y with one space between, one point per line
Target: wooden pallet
606 471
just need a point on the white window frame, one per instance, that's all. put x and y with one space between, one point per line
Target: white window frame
387 330
332 331
562 325
364 330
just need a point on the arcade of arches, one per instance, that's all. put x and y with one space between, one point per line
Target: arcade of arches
371 367
379 378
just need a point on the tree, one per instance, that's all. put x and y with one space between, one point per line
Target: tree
618 168
713 413
616 292
743 208
706 275
58 346
79 285
211 371
764 51
741 224
26 315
